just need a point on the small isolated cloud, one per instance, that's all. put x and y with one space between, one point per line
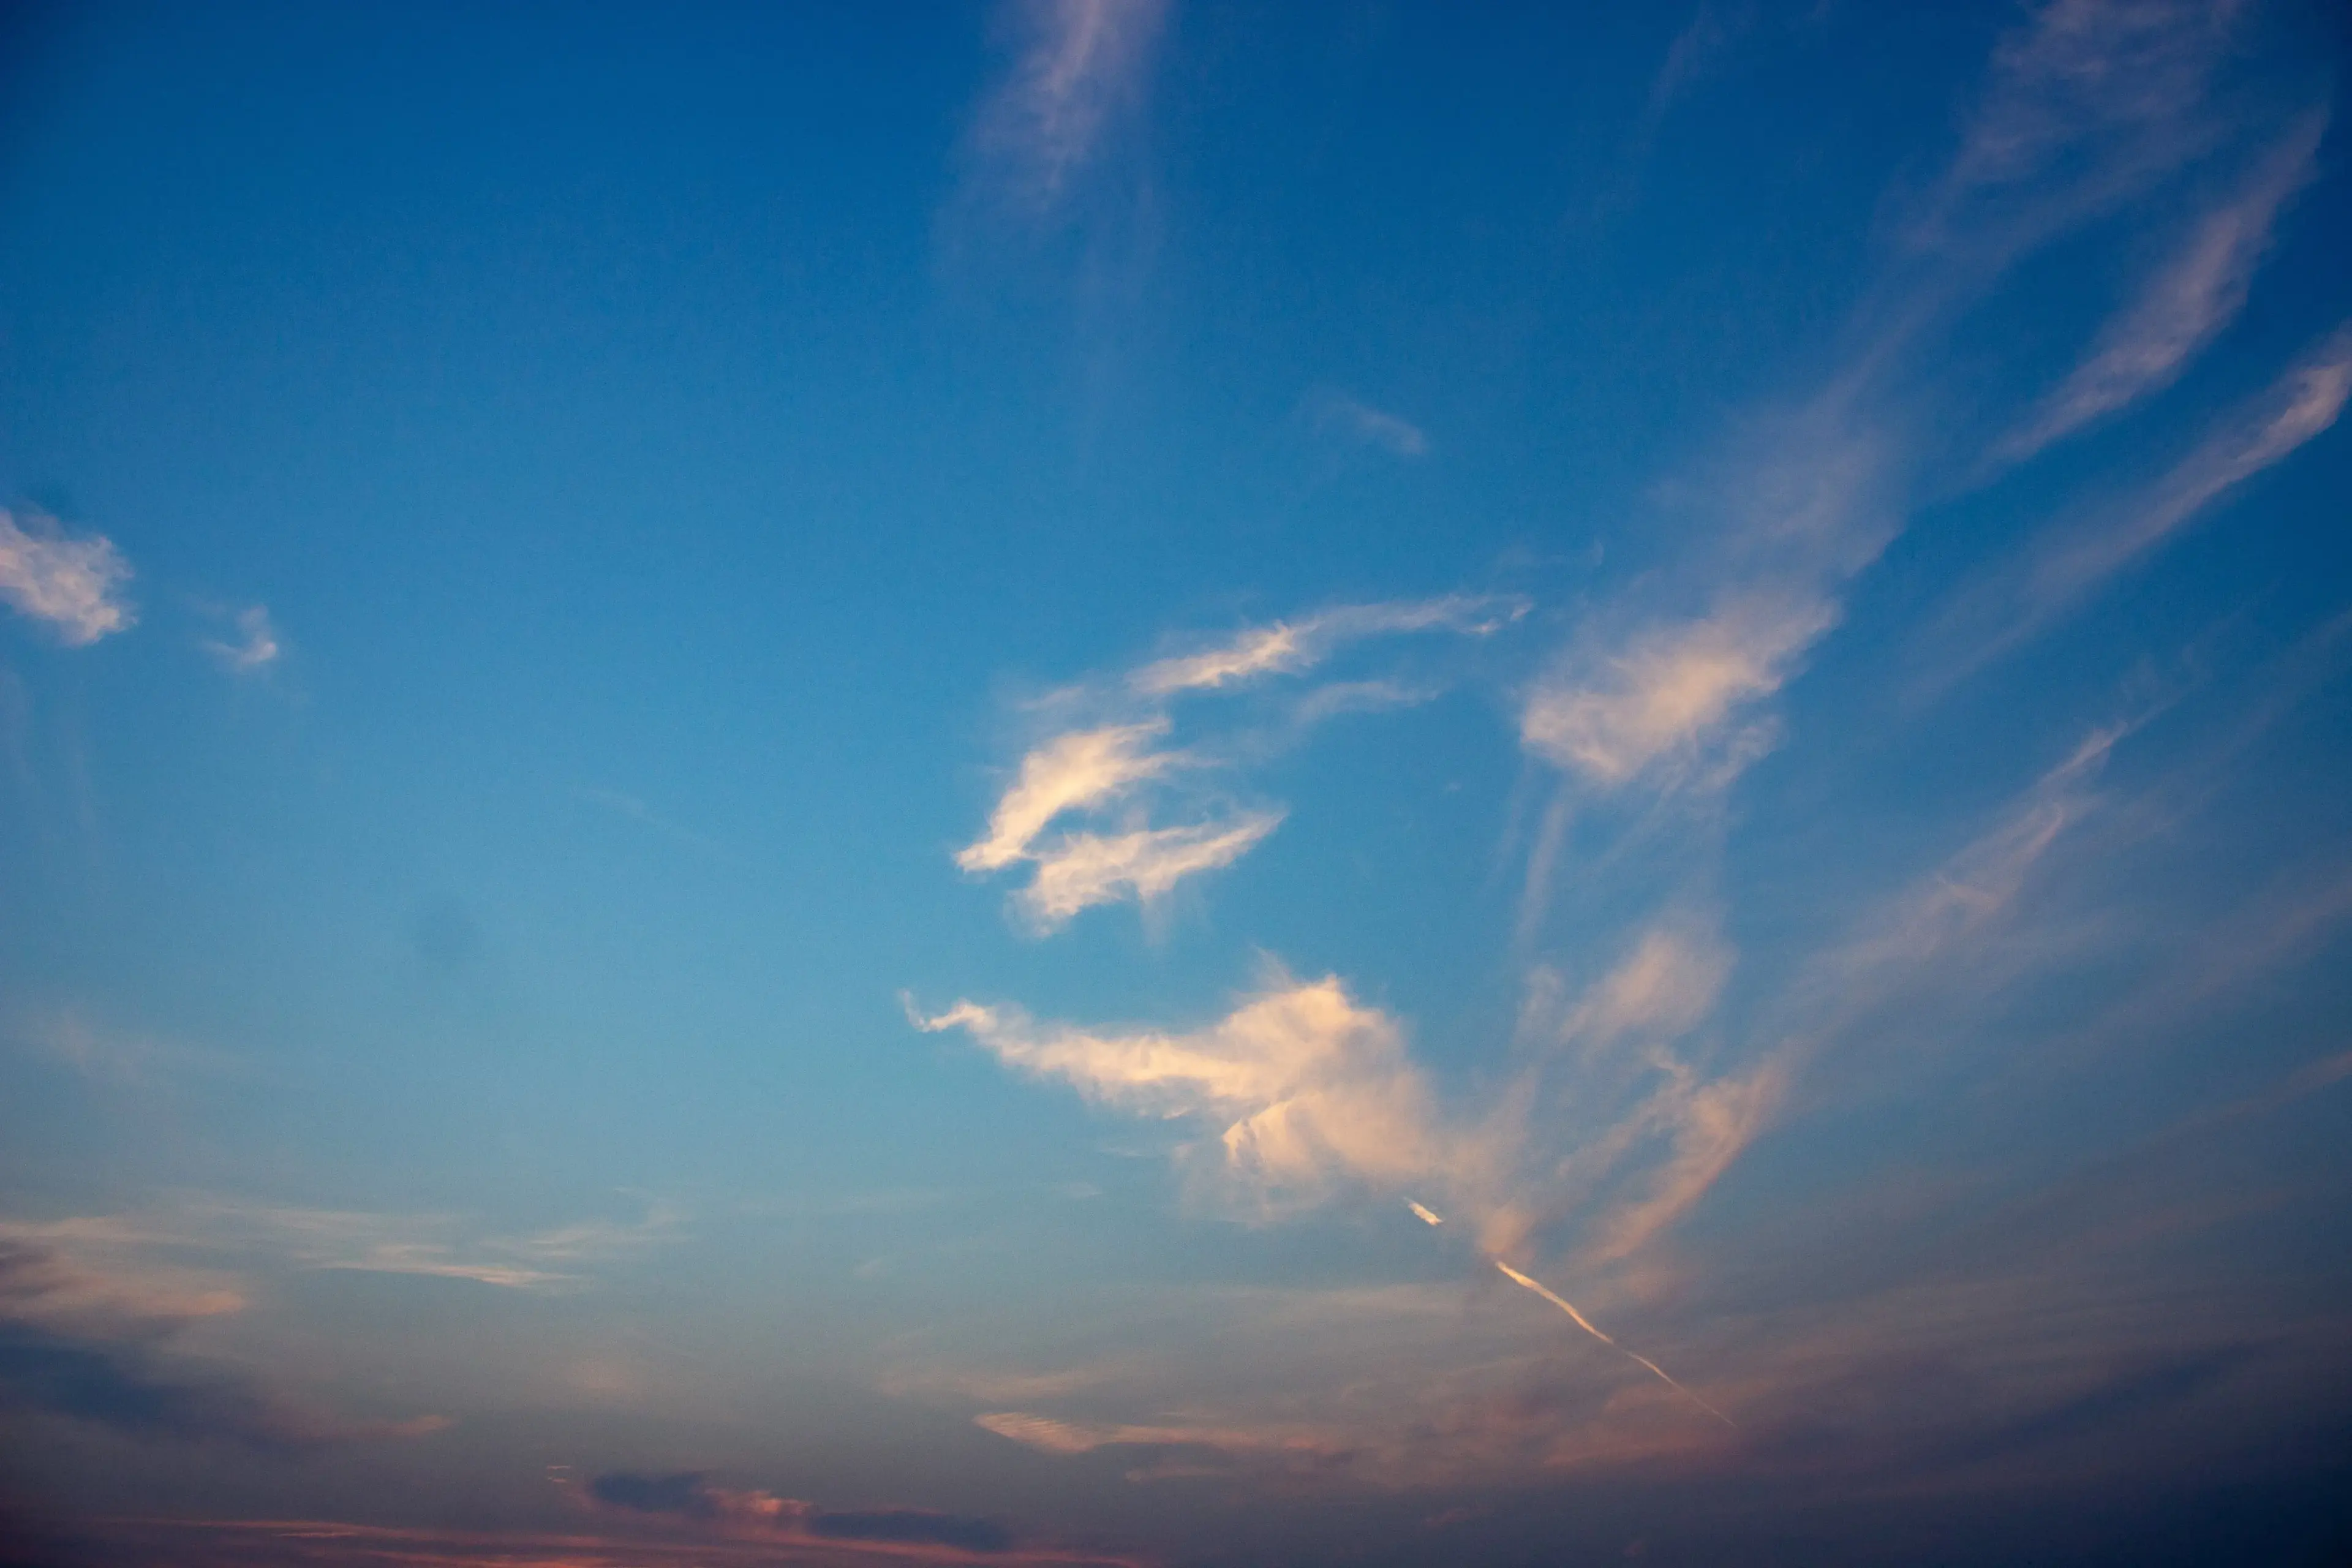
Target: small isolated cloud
2185 306
74 585
256 647
1337 414
1083 66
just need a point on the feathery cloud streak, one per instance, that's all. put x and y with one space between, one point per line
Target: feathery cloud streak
75 585
2184 307
1114 764
1083 66
2300 404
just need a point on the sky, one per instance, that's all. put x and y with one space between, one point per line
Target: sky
1150 782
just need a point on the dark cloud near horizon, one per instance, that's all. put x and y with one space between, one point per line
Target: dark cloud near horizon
119 1386
103 1365
688 1494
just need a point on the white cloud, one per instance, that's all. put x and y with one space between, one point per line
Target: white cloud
1286 648
74 585
1082 768
1091 769
1311 1088
1082 869
257 646
2184 307
1672 688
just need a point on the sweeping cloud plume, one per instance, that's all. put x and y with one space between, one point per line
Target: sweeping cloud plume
74 585
1312 1089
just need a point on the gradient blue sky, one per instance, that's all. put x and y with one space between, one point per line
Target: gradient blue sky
1108 782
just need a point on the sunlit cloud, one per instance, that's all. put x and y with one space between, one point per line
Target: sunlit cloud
1287 648
1070 772
75 585
1127 766
1083 869
1671 691
1302 1087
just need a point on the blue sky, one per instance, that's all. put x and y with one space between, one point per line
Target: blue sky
1095 781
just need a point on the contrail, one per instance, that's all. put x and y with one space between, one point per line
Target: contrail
1586 1324
1565 1305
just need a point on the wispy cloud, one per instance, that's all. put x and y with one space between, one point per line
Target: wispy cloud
2085 103
101 1053
1636 1090
2065 566
1081 67
1288 648
74 585
2184 307
1071 772
915 1534
637 811
1340 415
1126 764
1310 1087
2299 405
256 647
1656 702
437 1245
1083 869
